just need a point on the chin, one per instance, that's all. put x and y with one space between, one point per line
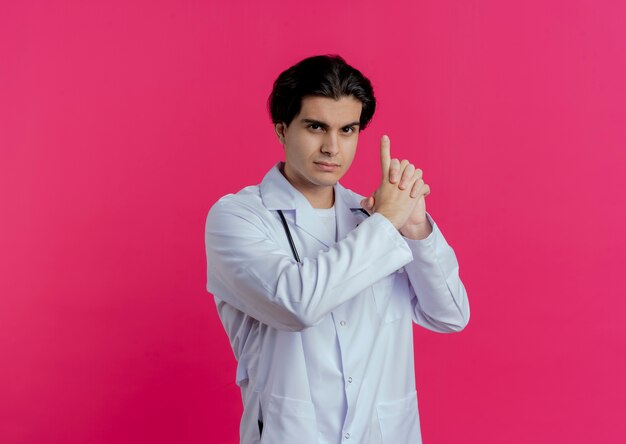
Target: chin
329 180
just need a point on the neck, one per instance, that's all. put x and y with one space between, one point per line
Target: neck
318 196
324 198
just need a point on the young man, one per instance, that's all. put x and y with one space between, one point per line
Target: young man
318 287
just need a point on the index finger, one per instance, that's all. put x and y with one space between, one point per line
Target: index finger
385 156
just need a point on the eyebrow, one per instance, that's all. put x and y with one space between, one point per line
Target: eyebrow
325 125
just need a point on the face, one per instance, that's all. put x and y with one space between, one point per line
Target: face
320 144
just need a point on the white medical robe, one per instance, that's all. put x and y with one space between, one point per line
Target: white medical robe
325 346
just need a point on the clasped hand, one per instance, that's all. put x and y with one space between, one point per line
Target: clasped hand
401 195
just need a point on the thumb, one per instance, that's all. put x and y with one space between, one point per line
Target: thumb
368 204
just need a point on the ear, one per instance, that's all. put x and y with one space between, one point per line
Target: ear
280 129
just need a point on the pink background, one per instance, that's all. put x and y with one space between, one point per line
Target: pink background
122 122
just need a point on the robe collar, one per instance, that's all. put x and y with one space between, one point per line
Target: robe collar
278 194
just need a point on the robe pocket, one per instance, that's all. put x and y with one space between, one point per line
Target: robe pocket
388 298
399 420
287 420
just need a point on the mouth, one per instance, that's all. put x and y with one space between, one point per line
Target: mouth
327 166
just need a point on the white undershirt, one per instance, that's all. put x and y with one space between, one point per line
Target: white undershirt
327 216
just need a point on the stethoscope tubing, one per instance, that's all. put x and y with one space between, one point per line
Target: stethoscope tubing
294 250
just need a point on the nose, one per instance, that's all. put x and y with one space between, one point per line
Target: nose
330 144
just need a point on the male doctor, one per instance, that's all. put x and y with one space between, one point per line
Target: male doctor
318 287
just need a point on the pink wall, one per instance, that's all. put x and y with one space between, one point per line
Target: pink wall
122 122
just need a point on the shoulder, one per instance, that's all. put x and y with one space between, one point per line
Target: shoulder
352 199
239 218
353 195
246 201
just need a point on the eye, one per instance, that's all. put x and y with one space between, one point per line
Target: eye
348 129
315 127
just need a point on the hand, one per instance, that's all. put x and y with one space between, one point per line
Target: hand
393 202
406 176
401 173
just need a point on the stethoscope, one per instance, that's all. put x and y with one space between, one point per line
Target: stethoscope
296 256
